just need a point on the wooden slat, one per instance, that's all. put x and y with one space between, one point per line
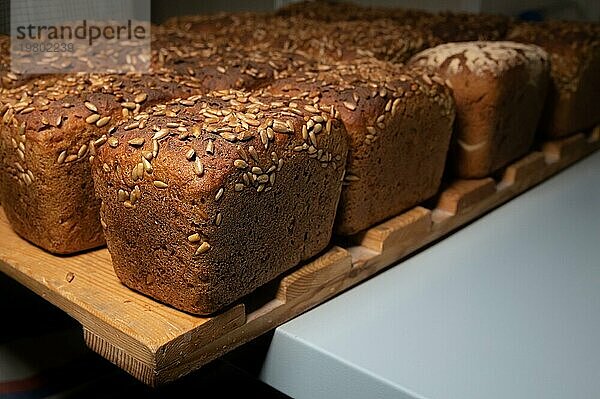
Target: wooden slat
158 344
315 275
404 229
523 171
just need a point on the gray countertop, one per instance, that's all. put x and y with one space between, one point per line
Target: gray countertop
507 307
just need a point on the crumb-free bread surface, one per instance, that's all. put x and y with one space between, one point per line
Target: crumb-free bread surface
499 89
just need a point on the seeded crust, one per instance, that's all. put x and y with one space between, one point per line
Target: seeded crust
399 123
499 88
68 217
574 49
434 28
329 11
448 27
48 128
342 40
222 200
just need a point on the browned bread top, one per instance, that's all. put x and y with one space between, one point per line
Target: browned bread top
382 38
366 92
227 190
457 27
328 10
483 57
571 45
195 144
66 113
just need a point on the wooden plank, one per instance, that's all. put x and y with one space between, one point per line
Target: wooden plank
158 344
86 287
463 194
400 230
570 148
315 275
524 171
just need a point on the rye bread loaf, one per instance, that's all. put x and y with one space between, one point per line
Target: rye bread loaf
218 194
445 27
499 89
433 27
329 11
48 130
340 40
399 123
62 217
574 49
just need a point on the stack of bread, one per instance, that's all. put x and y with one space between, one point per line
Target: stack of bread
258 136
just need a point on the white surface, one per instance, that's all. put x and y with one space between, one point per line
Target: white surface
508 307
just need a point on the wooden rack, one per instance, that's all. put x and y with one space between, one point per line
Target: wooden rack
158 344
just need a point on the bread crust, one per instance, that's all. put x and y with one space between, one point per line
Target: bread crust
574 50
499 89
262 203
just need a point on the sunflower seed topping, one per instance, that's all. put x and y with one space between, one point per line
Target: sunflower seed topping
187 103
113 142
122 195
190 154
219 194
253 153
82 150
137 142
61 157
198 167
147 165
90 106
194 237
93 118
103 121
100 141
281 127
204 247
135 195
161 134
240 164
140 98
351 106
133 125
160 184
155 147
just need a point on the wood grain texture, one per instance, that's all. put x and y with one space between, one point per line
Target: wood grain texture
463 194
335 262
531 166
158 344
401 230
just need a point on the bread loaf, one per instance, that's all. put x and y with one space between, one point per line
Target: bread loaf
399 123
52 120
499 88
49 129
574 49
218 194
